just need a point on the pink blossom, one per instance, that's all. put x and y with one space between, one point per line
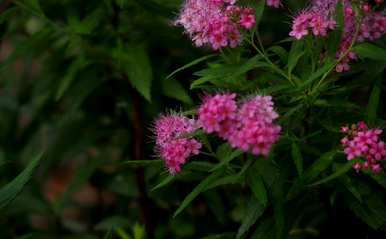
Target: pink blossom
273 3
364 143
248 127
216 23
172 140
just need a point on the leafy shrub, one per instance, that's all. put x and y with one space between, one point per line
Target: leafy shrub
279 136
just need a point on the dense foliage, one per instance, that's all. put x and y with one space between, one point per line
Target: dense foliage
192 119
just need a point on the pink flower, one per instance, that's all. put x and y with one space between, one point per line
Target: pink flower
247 21
217 113
249 127
216 23
172 140
364 143
273 3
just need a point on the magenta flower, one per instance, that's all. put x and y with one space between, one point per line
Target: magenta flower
173 142
364 143
249 127
216 23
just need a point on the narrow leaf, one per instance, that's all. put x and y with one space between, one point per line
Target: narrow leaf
190 64
253 212
340 171
197 190
12 189
368 50
297 157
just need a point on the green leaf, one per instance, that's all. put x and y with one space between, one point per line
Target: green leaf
113 223
372 105
201 187
227 159
297 157
164 182
135 61
295 54
259 10
122 234
190 64
340 171
138 231
319 165
253 212
371 51
12 189
379 177
256 184
174 89
69 77
279 51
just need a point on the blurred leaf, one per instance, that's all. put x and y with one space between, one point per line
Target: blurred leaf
294 55
174 89
113 223
319 165
138 231
135 61
253 211
227 157
368 50
69 77
257 186
122 234
197 190
340 171
154 162
12 189
297 157
372 105
259 10
168 179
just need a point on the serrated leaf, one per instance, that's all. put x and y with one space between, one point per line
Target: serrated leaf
12 189
197 190
297 157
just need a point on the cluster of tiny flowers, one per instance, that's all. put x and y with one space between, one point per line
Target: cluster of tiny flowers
248 127
273 3
172 140
363 142
317 19
216 23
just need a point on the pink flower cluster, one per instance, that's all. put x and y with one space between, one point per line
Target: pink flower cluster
319 18
363 142
216 23
248 127
173 142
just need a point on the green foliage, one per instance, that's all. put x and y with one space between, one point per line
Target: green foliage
83 81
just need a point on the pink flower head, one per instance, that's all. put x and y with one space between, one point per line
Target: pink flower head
273 3
172 140
217 114
364 143
216 23
255 130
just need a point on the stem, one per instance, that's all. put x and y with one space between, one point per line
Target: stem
274 67
343 56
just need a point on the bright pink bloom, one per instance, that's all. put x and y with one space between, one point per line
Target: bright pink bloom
217 114
364 143
249 127
172 140
216 23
